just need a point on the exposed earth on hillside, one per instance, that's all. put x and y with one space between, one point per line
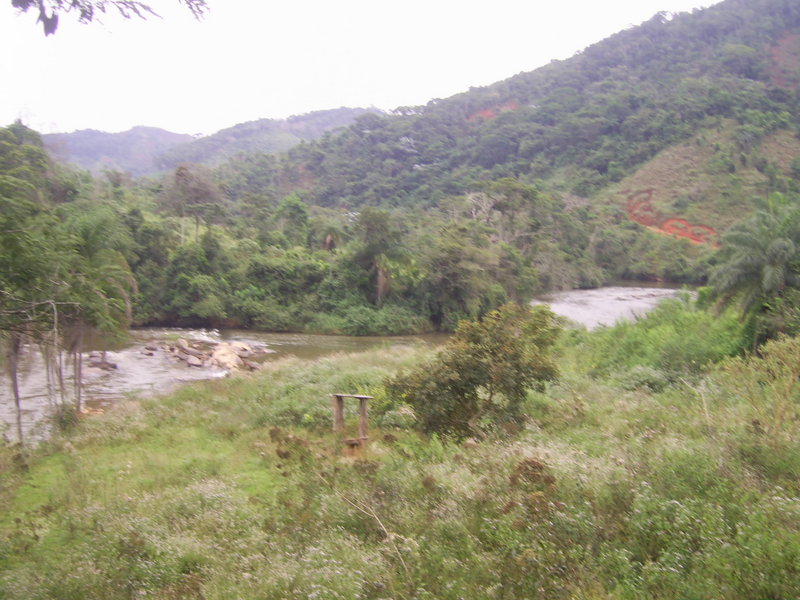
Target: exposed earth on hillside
639 208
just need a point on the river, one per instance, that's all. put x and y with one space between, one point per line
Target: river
605 305
140 374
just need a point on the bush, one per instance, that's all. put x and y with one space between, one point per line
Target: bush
770 383
483 373
387 320
642 376
677 337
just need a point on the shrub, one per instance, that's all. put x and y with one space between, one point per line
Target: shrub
642 376
483 373
677 337
771 385
387 320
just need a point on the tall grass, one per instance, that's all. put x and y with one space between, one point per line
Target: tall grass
236 489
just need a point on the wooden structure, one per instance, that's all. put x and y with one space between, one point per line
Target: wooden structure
338 418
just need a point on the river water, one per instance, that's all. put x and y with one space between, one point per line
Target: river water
138 374
606 305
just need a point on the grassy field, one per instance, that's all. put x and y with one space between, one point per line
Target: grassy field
645 479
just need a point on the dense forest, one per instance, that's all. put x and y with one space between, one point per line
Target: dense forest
568 176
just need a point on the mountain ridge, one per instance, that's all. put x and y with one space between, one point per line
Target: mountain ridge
145 150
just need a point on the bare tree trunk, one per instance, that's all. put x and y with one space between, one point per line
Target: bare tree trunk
46 350
382 284
14 346
60 372
58 359
78 368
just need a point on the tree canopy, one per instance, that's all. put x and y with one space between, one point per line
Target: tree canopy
482 376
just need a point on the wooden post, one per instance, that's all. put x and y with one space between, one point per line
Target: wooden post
362 418
338 413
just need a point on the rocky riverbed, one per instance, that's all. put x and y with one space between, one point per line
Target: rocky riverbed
231 356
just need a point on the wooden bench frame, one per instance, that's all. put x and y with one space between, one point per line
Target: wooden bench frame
338 416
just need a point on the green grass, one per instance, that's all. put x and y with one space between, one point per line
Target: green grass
237 489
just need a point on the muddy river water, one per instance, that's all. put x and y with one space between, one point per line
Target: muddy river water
140 374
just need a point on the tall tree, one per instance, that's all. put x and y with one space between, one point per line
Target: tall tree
192 192
378 246
292 218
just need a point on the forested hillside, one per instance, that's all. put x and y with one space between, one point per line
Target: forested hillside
134 151
264 135
629 160
583 123
149 150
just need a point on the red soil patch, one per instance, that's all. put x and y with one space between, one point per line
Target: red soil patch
701 234
490 113
639 208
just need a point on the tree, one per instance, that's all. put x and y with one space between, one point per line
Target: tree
460 283
292 217
760 260
49 10
29 286
62 269
482 376
193 192
378 245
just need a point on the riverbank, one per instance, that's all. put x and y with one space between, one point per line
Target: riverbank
658 488
143 372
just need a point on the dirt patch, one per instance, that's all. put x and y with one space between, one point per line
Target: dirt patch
490 113
639 208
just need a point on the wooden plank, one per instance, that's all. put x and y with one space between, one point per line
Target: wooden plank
362 417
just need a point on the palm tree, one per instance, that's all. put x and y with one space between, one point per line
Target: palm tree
378 248
760 259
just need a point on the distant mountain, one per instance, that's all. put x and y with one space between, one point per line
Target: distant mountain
149 150
264 136
134 151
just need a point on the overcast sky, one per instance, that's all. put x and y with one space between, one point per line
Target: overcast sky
251 59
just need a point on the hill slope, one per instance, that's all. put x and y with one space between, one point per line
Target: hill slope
148 150
264 135
581 124
134 151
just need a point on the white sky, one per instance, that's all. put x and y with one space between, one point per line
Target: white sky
251 59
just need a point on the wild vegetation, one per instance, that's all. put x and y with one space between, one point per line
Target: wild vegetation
651 478
655 459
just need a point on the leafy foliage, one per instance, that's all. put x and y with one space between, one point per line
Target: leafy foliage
769 382
482 376
49 10
678 338
760 267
